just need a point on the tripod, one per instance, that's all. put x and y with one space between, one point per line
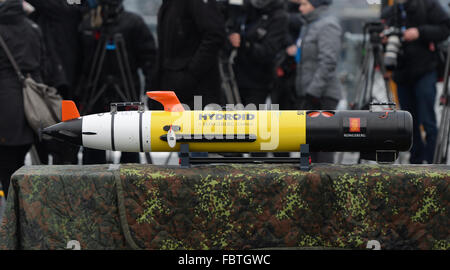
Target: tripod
125 88
116 44
373 59
443 138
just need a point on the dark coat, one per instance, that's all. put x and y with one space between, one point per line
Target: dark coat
24 40
264 37
191 34
59 22
418 57
140 48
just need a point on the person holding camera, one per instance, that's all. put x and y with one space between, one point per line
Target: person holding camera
126 45
421 24
318 50
24 40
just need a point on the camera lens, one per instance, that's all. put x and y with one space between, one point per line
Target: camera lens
392 50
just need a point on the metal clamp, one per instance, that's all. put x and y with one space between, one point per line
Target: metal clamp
386 156
391 105
305 158
115 106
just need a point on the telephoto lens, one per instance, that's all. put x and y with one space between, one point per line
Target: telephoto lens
392 50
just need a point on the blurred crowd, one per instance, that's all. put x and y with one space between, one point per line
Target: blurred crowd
97 52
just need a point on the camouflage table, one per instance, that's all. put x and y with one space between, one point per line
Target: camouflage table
228 207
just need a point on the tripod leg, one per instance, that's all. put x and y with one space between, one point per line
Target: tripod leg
100 66
234 86
91 83
128 94
380 62
92 101
123 49
97 56
226 83
118 91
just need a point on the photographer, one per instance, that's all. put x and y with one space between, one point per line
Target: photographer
422 24
262 37
127 38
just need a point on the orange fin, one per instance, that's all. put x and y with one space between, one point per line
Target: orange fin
69 111
168 99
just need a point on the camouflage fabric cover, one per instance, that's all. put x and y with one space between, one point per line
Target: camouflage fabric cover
229 207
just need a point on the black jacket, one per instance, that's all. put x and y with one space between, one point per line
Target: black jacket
24 40
190 34
417 57
264 37
59 22
141 53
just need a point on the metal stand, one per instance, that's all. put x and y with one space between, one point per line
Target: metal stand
185 156
113 43
186 161
443 138
373 58
305 158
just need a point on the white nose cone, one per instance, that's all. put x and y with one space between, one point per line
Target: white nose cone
97 131
122 131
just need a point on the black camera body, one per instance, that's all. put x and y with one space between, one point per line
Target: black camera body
374 29
110 9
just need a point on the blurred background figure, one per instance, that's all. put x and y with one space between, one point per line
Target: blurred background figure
24 40
59 22
190 36
259 35
115 44
420 25
318 50
283 92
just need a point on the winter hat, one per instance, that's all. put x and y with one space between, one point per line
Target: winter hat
317 3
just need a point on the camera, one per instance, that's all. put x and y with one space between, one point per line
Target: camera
110 9
393 47
394 35
374 29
